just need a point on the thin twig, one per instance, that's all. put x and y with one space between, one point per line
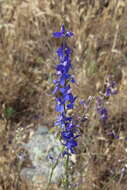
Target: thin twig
67 174
52 170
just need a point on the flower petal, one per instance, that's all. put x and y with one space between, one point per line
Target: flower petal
57 34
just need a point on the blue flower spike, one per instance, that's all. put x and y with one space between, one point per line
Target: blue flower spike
62 33
111 89
65 100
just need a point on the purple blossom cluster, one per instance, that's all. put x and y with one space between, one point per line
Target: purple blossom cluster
110 86
110 89
64 98
101 110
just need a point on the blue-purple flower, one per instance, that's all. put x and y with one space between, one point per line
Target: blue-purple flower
101 110
110 89
62 33
65 100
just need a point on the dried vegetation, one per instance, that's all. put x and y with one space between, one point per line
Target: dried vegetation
27 53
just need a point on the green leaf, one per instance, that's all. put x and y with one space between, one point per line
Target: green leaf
40 60
9 112
91 68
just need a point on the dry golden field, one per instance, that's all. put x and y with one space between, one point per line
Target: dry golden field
27 51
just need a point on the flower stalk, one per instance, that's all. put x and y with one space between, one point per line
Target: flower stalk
63 92
65 100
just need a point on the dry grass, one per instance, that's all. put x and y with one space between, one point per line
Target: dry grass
27 53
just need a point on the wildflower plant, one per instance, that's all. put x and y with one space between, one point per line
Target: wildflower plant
67 128
109 90
65 100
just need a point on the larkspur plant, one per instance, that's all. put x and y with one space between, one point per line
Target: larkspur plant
68 128
110 89
64 98
65 101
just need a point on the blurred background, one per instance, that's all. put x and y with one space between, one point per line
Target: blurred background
27 67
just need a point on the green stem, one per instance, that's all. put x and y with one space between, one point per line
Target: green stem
67 174
52 170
